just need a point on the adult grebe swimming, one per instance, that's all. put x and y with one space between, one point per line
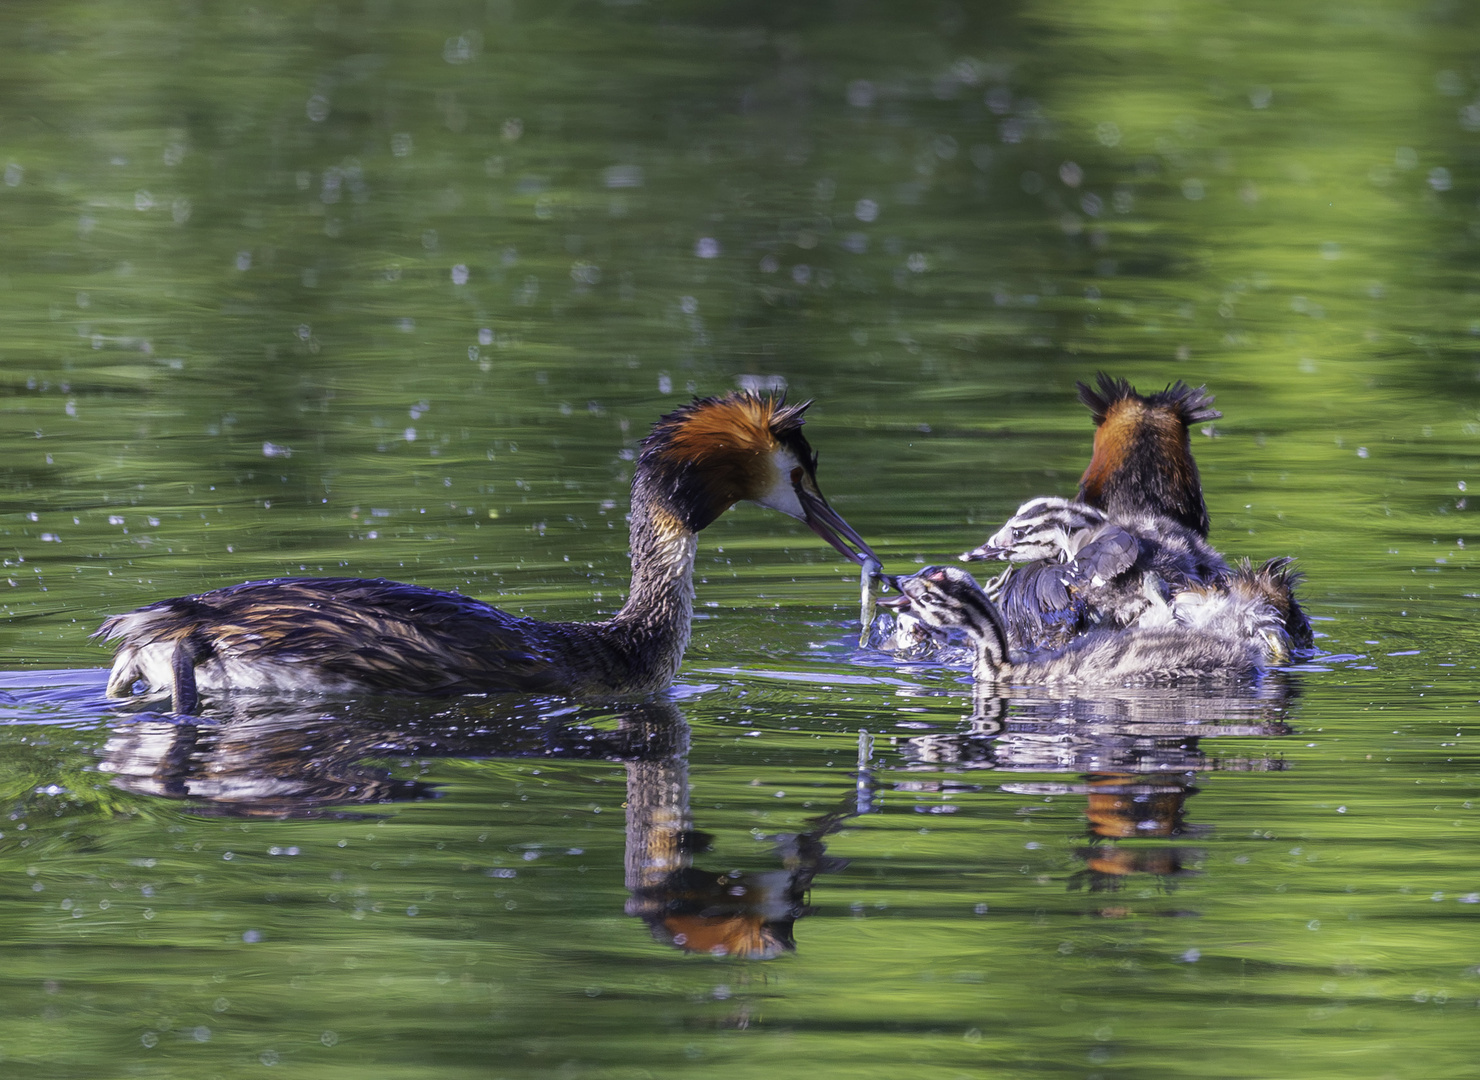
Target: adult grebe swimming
1243 639
1139 519
349 634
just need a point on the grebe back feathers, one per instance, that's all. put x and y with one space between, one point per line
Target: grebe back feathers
1247 602
1081 569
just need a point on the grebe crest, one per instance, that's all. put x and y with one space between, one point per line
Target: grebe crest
1142 459
344 634
712 453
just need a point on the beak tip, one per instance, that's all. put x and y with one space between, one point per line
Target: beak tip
981 554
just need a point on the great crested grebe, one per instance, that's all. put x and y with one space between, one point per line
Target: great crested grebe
1139 511
346 634
947 597
1139 519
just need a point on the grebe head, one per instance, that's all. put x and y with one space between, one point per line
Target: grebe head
946 597
1040 529
1142 459
712 453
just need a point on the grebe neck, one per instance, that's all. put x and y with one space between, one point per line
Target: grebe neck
656 619
992 654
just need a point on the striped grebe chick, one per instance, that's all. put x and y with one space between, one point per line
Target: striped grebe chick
348 635
1075 567
947 597
1047 527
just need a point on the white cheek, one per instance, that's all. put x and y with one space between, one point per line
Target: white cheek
779 493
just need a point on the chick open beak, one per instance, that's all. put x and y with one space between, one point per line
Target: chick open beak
984 553
826 523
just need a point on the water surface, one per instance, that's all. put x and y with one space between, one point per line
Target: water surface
385 289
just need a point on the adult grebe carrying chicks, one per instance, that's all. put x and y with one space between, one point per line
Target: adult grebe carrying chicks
1139 519
1230 633
336 635
1140 511
1120 584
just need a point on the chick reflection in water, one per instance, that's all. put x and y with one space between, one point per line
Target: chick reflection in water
1138 751
273 761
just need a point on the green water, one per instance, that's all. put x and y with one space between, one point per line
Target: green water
391 289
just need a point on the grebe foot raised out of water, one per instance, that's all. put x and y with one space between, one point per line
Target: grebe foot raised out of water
346 635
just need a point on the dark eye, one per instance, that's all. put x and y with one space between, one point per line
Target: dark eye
796 475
